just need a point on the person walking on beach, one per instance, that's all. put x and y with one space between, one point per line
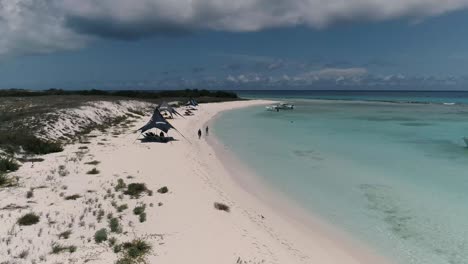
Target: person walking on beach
199 133
206 131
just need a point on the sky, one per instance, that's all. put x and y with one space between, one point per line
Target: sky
242 44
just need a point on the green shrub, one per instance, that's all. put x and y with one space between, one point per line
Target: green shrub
142 217
65 235
114 225
93 171
135 189
112 241
29 143
163 190
5 181
120 185
122 207
133 252
72 197
57 248
8 164
222 207
100 235
94 162
28 219
139 209
137 248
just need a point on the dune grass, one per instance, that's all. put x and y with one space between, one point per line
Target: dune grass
28 219
8 164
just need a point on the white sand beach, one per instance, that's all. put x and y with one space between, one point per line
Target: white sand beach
182 225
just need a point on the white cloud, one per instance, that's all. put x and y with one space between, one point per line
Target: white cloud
333 74
31 26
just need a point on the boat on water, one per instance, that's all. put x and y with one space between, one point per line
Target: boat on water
280 106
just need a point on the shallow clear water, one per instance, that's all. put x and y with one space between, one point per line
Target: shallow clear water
392 175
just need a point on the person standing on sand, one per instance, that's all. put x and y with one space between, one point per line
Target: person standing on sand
199 133
206 131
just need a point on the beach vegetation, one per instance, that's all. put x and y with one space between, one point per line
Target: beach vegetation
136 189
139 209
8 164
112 241
203 95
136 112
30 194
72 197
120 185
163 190
23 254
28 219
30 144
142 217
221 207
114 225
62 171
100 235
6 181
94 162
122 207
134 252
57 248
100 215
65 234
93 171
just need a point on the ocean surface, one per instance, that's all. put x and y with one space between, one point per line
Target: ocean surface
389 169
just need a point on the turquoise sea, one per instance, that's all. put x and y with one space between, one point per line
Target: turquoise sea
391 170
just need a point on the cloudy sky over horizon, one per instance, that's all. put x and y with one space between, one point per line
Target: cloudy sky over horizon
244 44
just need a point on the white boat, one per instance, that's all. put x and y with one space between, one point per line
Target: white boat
280 106
466 141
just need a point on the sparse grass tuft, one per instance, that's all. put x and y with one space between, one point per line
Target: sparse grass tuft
222 207
72 197
6 181
134 252
120 185
57 248
122 207
65 235
30 194
94 162
139 209
100 235
29 143
23 254
136 189
163 190
8 164
142 217
93 171
114 225
28 219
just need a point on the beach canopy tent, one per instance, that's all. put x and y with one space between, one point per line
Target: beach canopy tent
191 102
157 121
165 107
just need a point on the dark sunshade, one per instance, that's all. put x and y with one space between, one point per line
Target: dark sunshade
166 107
157 121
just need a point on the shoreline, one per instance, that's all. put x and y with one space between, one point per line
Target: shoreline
289 216
182 224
